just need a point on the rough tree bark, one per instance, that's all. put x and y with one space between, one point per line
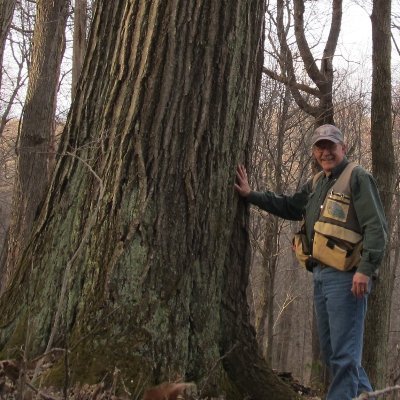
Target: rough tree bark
37 126
140 252
6 13
384 170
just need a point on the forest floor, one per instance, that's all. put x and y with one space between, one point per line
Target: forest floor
15 384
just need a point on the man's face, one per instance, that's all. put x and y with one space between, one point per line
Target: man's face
328 154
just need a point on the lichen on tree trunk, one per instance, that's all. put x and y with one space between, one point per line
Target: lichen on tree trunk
142 244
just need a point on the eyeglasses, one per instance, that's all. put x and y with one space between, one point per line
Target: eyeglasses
321 146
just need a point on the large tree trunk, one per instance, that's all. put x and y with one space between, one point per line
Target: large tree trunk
6 13
37 126
383 166
142 245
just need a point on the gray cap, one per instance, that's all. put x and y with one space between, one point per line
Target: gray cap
327 132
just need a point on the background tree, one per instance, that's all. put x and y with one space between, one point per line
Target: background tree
37 126
141 242
384 170
6 13
79 38
16 59
320 105
14 74
7 174
393 362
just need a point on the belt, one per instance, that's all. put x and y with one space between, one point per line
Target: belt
311 263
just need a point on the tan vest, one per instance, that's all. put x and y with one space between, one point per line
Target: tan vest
337 238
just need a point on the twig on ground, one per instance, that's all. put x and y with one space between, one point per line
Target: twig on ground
369 395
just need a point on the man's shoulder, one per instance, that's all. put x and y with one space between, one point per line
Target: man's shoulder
359 170
361 177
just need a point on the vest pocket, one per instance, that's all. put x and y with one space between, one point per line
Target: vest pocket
336 253
336 207
300 248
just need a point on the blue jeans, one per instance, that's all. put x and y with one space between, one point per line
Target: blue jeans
340 320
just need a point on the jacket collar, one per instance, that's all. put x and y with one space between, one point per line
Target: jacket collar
335 173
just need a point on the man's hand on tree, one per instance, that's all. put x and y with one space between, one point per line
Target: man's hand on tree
242 182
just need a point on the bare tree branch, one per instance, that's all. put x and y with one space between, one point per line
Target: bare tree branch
370 395
288 67
283 79
305 52
322 108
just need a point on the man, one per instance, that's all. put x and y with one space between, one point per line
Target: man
340 291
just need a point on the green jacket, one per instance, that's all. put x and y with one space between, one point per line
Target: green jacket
307 204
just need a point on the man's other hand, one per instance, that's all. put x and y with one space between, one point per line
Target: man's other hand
360 284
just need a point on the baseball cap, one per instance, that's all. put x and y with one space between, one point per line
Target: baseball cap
327 132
